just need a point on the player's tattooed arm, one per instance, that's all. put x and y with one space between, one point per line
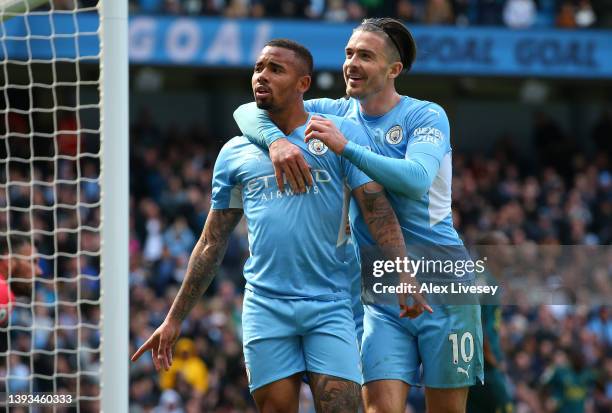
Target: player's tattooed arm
380 219
205 260
382 222
203 264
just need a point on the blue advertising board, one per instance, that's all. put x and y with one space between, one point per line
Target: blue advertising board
216 42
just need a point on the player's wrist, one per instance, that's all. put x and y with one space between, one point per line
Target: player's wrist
343 143
275 139
173 320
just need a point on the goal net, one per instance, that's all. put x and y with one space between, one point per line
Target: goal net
52 193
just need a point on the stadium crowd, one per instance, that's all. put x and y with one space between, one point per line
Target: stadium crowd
567 199
511 13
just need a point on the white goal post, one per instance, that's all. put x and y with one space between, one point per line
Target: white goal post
115 204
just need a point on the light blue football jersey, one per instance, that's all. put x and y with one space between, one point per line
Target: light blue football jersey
412 126
296 241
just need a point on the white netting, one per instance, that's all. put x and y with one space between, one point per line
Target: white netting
50 193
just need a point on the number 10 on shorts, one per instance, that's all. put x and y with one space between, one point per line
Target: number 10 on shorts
466 344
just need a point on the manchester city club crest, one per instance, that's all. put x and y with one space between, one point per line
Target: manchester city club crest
394 135
316 147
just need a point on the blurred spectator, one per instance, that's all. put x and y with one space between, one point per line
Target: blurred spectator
69 139
376 8
519 14
566 18
601 325
188 365
154 244
179 238
18 381
237 9
169 402
439 12
570 383
585 16
336 11
406 10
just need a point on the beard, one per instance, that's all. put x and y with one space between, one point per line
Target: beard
354 93
359 91
368 89
265 105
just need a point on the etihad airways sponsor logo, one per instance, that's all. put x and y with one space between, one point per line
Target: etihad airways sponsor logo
266 188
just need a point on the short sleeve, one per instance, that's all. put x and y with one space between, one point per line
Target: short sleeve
355 177
430 134
226 192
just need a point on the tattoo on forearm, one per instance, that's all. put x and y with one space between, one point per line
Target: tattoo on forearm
381 220
334 395
205 260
